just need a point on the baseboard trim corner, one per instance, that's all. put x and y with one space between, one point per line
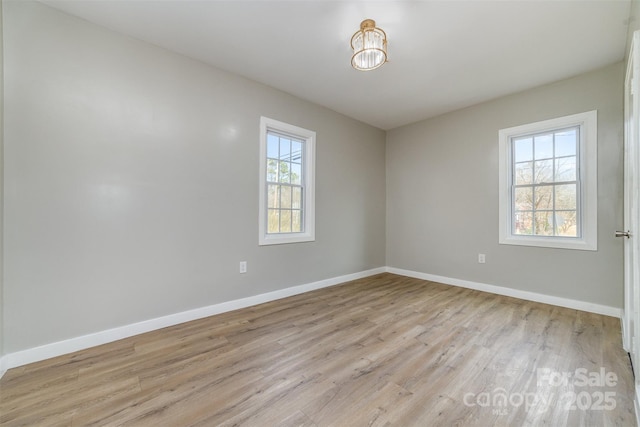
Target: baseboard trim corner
3 367
515 293
47 351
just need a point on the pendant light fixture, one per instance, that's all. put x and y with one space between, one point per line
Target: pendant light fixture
369 46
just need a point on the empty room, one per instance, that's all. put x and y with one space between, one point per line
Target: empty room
319 213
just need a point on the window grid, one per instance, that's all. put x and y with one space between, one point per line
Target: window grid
533 218
284 183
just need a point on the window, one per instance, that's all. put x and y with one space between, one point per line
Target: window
287 196
548 183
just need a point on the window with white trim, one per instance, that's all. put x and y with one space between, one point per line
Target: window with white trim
287 177
548 183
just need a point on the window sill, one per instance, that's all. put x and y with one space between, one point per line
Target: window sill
550 242
283 239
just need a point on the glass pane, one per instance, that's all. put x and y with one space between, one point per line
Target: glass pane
273 144
524 173
272 170
524 199
285 221
566 197
543 171
543 224
296 198
523 223
566 142
273 221
566 169
284 172
273 199
296 223
285 197
358 41
566 224
523 149
296 151
543 197
543 146
296 173
285 149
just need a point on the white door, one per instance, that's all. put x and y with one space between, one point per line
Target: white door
631 232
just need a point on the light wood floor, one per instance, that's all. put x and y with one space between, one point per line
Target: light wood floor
385 350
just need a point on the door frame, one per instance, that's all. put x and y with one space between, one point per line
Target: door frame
631 316
630 140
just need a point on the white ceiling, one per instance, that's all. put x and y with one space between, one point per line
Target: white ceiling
443 55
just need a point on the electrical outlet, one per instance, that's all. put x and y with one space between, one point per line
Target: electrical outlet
243 266
481 259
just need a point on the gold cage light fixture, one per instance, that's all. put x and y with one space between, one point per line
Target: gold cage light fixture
369 46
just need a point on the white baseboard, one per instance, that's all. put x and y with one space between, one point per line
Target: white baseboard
3 367
525 295
59 348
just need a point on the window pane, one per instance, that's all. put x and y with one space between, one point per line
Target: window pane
286 191
524 173
296 173
272 170
273 144
296 223
273 221
543 197
523 149
566 197
543 224
296 198
284 172
524 198
296 151
285 221
523 223
566 224
543 171
565 169
285 149
547 183
566 142
285 197
273 196
543 146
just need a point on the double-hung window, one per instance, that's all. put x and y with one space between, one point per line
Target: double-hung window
548 183
287 163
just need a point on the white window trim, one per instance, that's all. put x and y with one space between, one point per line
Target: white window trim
588 170
309 138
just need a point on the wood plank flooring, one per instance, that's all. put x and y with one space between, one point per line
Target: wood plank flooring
385 350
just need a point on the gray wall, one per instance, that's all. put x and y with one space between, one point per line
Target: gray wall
132 183
131 186
442 194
